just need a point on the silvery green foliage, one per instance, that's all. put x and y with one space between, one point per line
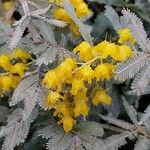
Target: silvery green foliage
115 141
115 108
5 32
16 129
142 143
25 22
130 131
57 138
29 92
84 136
136 67
146 115
111 14
131 111
22 24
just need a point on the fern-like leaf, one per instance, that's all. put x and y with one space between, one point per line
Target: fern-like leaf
115 141
131 66
16 130
57 138
40 11
131 111
29 92
117 122
142 143
22 89
137 29
146 116
47 57
141 83
46 30
19 32
113 17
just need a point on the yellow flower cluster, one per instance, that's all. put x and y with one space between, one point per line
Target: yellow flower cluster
68 85
125 36
13 67
104 49
81 10
69 82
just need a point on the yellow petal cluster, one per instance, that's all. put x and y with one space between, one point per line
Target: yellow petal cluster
19 53
52 98
123 52
12 72
81 10
86 73
85 51
125 36
67 122
5 62
67 86
19 68
104 49
104 71
101 97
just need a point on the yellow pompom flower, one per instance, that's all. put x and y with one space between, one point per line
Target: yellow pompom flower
19 68
52 98
61 14
51 80
65 69
105 49
87 74
82 10
99 48
104 71
7 5
76 2
74 28
81 108
62 109
85 51
123 52
77 85
125 36
6 83
101 97
21 54
81 96
68 123
5 62
15 81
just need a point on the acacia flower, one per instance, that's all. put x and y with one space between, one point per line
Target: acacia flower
101 97
5 62
125 36
104 71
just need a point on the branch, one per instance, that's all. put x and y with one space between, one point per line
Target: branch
25 6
